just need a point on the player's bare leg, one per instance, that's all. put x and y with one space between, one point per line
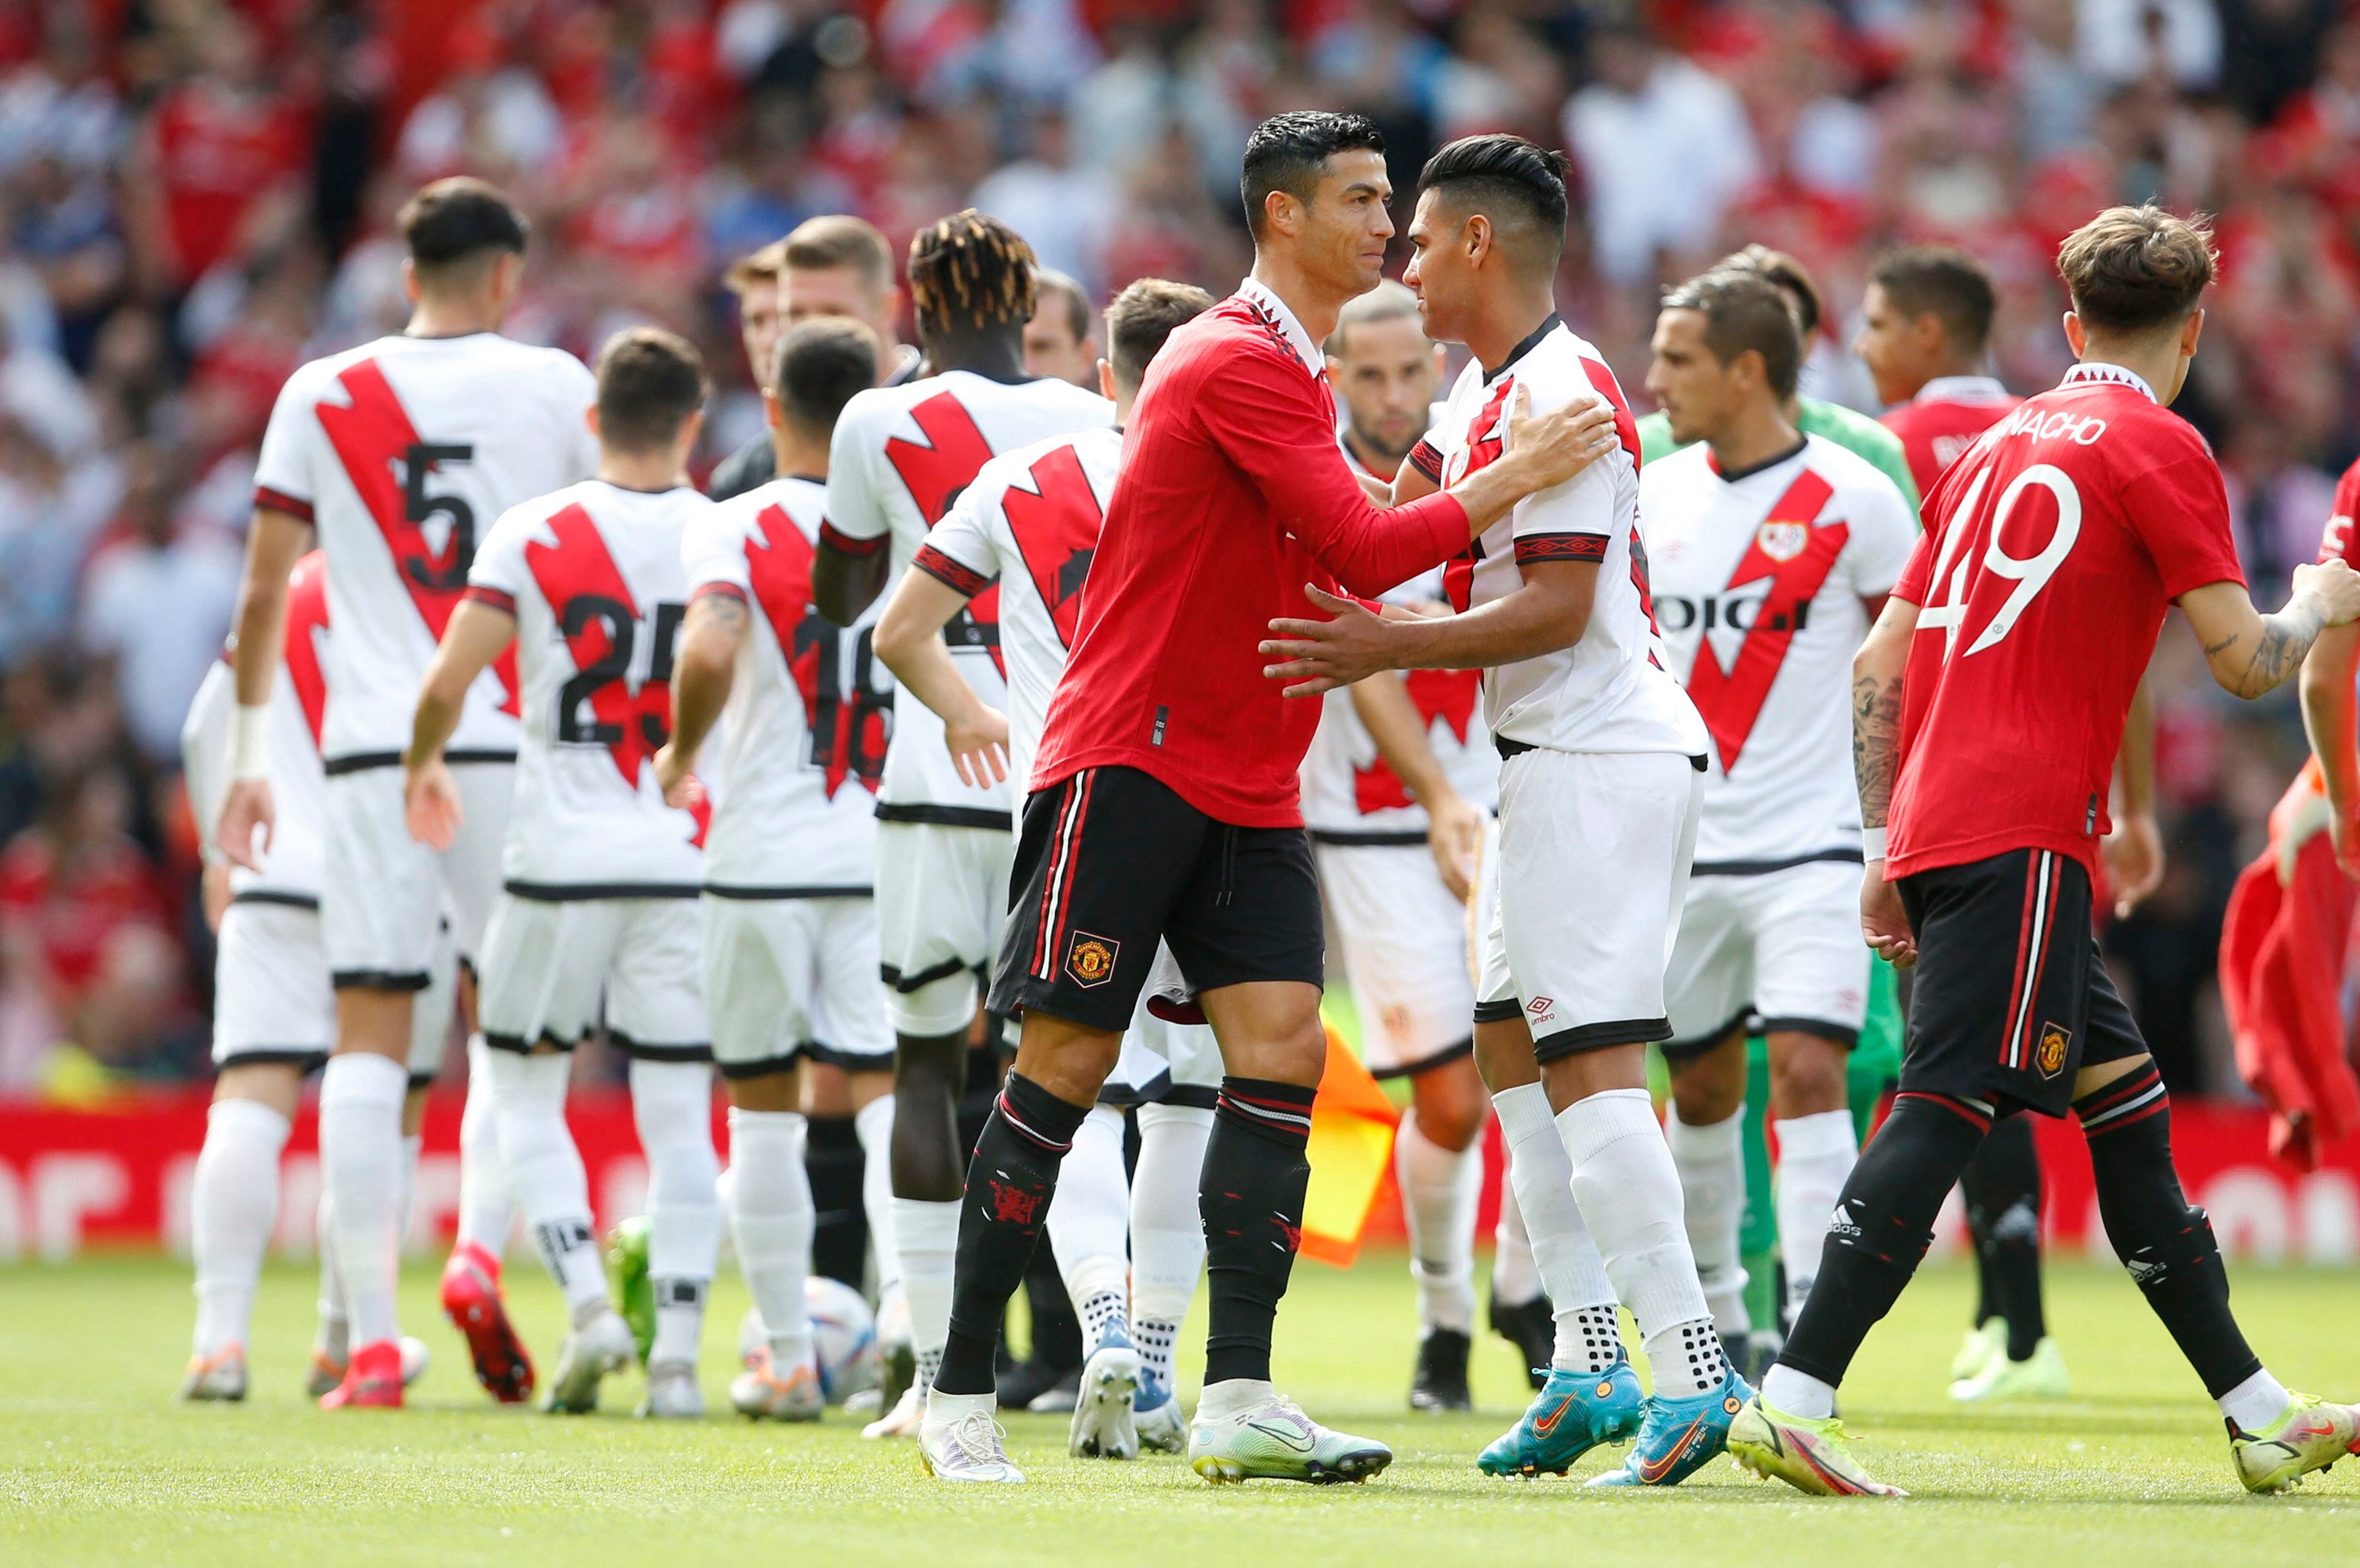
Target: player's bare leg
1438 1161
770 1224
929 1079
362 1096
233 1208
1815 1150
1060 1068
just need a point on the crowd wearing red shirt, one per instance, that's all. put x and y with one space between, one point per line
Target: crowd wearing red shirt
198 195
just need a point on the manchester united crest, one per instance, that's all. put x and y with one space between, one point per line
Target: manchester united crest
2055 1044
1089 960
1782 541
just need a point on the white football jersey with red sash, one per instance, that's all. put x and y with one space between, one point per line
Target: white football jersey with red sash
400 453
1610 692
1759 580
594 576
899 457
809 713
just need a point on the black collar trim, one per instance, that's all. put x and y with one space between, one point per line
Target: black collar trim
1530 343
1732 476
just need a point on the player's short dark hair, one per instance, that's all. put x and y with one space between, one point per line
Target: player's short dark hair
1048 284
650 382
1792 278
833 240
1518 184
2133 269
1289 152
971 272
1945 282
459 220
1744 312
1142 316
822 365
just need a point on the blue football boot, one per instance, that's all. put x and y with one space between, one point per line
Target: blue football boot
1573 1413
1680 1437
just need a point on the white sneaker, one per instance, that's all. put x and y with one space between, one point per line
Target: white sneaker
605 1345
673 1393
972 1447
1273 1440
1103 1426
903 1418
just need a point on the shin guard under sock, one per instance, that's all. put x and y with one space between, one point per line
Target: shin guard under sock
1010 1184
2163 1241
1880 1229
1250 1197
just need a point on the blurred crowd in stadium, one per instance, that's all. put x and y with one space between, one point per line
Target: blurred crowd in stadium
195 196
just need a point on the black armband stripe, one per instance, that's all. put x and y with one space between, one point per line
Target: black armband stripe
1561 547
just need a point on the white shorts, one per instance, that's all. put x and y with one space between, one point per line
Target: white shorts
1163 1063
1406 944
1593 867
942 893
272 1001
386 893
787 977
1780 950
548 962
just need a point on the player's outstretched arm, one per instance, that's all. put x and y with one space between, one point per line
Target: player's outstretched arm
2252 653
1550 612
704 668
2328 718
474 637
273 544
1877 673
1454 829
909 639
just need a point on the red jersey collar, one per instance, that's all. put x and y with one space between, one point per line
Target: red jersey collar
1260 296
2098 371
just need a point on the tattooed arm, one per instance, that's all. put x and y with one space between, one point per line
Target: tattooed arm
2252 653
704 668
1876 671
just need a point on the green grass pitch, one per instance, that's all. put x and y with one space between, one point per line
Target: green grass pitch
98 1465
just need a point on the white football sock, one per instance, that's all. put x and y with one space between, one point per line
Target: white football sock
770 1220
1439 1187
873 1125
1089 1222
1629 1194
413 1147
233 1204
2257 1402
1710 1160
1580 1294
360 1172
334 1338
487 1213
671 1102
545 1175
1514 1278
927 1234
1167 1234
1815 1154
1794 1393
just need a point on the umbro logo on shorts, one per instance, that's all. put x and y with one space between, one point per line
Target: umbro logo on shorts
1090 960
1541 1008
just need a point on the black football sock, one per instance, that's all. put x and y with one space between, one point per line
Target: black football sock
1009 1186
2003 1191
1250 1197
1883 1224
2163 1241
832 1160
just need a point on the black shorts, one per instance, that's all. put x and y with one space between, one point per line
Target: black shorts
1109 861
2011 998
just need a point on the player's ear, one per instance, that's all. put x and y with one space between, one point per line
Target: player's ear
1105 378
773 415
590 419
409 280
2075 338
2190 331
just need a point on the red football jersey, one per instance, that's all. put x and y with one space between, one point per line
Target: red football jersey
2336 543
2051 550
1943 420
